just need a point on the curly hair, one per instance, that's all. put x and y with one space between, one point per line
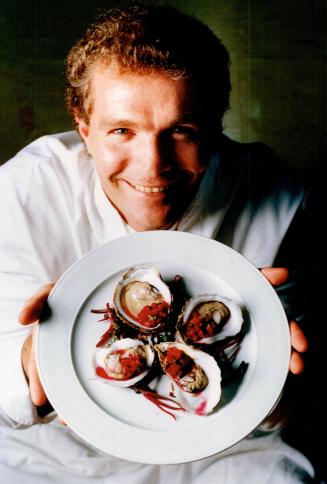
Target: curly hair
146 39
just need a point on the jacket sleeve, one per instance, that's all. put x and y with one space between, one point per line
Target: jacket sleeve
297 252
21 274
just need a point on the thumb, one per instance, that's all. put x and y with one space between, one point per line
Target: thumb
38 395
275 275
33 306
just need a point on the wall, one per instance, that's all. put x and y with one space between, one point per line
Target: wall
277 54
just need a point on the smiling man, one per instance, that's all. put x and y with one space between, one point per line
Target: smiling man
150 160
149 106
147 88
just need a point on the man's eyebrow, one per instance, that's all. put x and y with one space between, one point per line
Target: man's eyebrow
109 122
116 122
186 118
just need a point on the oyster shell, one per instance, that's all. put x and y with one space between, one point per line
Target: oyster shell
208 318
143 300
125 362
194 374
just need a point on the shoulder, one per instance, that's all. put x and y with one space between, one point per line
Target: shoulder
267 198
44 164
264 170
42 150
266 177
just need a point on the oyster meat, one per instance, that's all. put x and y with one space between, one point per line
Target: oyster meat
125 362
208 318
143 300
194 374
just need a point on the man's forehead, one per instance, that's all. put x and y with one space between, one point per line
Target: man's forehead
112 69
114 74
138 92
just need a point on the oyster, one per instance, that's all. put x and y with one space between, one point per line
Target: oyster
125 362
207 318
143 300
194 374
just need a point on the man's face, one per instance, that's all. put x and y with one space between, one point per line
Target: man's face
146 137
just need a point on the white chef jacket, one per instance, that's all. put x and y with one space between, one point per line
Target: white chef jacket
53 211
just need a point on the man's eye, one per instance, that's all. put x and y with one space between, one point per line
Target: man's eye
185 132
120 131
181 130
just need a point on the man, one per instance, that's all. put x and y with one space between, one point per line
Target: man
147 88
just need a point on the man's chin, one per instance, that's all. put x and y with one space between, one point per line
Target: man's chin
149 227
146 224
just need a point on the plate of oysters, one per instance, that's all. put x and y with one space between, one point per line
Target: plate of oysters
166 347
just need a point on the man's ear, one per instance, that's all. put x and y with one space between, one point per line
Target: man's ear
83 127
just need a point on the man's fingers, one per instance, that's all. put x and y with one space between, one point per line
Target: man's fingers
33 306
300 344
26 351
38 395
31 313
299 341
296 363
275 275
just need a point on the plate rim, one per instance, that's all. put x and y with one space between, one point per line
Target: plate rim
150 235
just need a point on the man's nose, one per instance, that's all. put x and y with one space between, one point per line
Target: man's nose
155 158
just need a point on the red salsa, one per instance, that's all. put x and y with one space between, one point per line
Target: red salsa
132 364
200 327
152 315
177 363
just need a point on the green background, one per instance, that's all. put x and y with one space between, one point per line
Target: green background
278 66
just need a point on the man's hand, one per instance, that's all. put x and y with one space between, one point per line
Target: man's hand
277 276
32 310
30 314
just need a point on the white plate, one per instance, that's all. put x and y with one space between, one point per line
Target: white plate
123 423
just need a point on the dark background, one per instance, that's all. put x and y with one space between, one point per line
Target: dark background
278 66
278 58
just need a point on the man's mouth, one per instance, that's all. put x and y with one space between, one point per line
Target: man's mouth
170 187
148 189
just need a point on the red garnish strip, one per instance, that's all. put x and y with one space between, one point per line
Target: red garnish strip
102 311
111 318
107 312
231 355
234 353
160 401
106 336
230 341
